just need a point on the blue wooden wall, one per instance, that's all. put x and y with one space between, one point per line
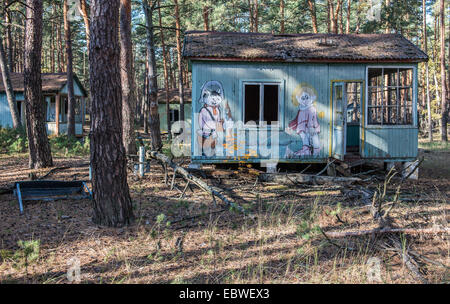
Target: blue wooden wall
376 142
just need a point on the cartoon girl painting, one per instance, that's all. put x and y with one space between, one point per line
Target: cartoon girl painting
305 122
212 118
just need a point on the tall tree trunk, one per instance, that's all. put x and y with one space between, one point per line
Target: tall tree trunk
427 77
127 79
347 27
205 13
281 16
154 126
38 145
84 12
111 196
312 11
180 64
255 18
250 15
166 74
69 71
388 29
11 98
444 110
8 38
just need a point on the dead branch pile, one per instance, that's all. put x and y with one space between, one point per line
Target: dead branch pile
214 191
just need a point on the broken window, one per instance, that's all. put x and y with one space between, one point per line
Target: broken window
261 102
353 92
390 96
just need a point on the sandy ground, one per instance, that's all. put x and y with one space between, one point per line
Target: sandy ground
281 243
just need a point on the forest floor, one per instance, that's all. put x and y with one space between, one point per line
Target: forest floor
282 243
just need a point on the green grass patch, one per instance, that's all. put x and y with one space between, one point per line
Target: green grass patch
438 146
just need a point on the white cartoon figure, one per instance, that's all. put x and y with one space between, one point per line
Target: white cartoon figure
305 122
212 119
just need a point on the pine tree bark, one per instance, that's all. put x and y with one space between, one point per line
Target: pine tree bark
205 13
84 12
166 73
347 27
312 11
180 64
111 197
281 16
69 71
40 155
427 77
127 79
154 124
444 110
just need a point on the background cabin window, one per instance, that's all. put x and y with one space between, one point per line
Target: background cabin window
174 115
390 96
261 102
353 91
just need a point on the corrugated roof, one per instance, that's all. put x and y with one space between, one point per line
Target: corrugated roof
300 47
51 82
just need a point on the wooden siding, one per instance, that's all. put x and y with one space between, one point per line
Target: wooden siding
375 142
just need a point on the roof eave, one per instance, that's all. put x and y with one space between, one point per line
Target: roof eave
317 60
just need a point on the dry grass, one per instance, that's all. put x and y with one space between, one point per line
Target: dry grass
282 244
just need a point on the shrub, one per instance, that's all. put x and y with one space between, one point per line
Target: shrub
13 140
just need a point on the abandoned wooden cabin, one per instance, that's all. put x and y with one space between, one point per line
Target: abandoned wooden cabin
303 97
174 107
54 90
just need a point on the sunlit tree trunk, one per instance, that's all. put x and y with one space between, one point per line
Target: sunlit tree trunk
127 79
205 14
347 27
154 124
179 56
111 197
281 16
166 74
38 145
69 71
427 77
444 110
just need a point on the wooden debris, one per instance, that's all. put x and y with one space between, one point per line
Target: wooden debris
297 178
214 191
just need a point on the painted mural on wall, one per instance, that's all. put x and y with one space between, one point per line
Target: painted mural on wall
305 124
214 117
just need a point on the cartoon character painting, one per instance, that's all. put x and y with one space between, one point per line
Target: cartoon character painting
305 122
213 118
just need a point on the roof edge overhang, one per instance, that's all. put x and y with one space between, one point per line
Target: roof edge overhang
327 60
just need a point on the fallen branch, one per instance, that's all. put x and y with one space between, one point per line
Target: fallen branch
297 178
214 191
339 234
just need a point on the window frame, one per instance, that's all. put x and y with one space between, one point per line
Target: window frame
261 83
414 97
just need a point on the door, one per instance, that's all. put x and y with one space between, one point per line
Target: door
339 120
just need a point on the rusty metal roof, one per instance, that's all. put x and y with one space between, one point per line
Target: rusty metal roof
204 45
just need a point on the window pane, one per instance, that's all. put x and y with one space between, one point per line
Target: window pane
375 77
374 115
251 103
390 116
390 77
406 77
406 114
353 102
390 97
374 97
270 103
